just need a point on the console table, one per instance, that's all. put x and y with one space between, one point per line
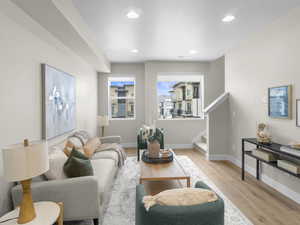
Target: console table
273 148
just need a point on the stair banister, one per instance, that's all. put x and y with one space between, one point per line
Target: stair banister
216 103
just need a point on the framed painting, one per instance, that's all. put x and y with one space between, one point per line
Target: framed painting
59 102
280 102
298 112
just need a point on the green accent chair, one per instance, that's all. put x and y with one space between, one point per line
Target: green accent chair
142 143
211 213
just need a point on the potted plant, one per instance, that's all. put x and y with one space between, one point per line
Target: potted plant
154 144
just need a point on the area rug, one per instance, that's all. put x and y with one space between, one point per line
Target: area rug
121 209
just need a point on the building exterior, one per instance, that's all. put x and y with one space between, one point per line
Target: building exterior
186 100
165 107
122 101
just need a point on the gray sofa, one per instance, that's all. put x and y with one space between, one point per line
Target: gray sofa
83 197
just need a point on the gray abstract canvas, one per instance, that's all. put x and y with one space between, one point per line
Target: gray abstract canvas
59 102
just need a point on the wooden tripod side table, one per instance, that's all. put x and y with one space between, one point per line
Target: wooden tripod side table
47 213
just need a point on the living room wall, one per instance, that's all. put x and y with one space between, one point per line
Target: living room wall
271 58
127 129
23 49
146 74
182 132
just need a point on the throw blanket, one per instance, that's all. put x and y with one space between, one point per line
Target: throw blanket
116 148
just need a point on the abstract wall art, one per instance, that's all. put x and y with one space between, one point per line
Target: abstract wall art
280 102
59 102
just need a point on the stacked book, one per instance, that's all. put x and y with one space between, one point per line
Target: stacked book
287 165
267 156
290 150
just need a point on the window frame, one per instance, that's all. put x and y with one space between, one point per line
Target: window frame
200 93
109 98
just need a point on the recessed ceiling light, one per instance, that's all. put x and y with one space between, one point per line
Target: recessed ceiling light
133 14
228 18
135 51
193 52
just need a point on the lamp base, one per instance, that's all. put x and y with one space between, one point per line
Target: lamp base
27 212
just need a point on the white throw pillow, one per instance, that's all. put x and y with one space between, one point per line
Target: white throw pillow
57 160
180 197
76 142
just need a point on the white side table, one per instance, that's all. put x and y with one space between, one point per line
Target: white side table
47 213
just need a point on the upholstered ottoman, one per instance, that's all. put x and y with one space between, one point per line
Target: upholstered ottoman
204 214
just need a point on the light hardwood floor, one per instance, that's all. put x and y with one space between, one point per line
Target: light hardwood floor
259 202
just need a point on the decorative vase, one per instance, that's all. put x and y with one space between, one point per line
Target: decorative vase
154 149
263 134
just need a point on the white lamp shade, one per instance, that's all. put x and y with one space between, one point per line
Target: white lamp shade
103 121
22 163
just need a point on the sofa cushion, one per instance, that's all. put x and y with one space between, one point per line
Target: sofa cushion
70 146
91 146
105 171
57 146
107 155
57 160
83 136
78 165
75 141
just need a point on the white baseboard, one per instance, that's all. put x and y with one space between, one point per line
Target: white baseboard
129 145
218 157
179 146
269 181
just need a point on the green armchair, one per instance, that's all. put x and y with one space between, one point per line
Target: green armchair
211 213
142 143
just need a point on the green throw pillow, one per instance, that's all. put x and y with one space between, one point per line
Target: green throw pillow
78 165
77 154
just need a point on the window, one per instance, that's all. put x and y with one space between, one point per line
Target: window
180 97
121 94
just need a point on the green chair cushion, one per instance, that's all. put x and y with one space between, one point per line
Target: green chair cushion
211 213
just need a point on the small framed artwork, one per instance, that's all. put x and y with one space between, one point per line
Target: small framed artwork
280 102
298 112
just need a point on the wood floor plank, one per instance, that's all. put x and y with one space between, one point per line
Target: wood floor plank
260 203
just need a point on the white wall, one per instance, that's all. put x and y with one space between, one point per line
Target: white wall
269 59
218 136
215 82
127 129
179 133
21 55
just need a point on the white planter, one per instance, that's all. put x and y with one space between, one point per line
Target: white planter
153 149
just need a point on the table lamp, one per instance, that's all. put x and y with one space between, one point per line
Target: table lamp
103 121
21 162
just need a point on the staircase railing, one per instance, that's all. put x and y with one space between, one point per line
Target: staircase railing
216 103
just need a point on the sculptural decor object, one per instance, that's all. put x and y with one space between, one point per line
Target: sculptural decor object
154 145
263 134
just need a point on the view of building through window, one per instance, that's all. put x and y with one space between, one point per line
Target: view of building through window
121 97
179 99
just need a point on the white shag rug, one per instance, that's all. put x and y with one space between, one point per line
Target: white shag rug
121 209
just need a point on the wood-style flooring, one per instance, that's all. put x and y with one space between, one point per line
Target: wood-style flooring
260 203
